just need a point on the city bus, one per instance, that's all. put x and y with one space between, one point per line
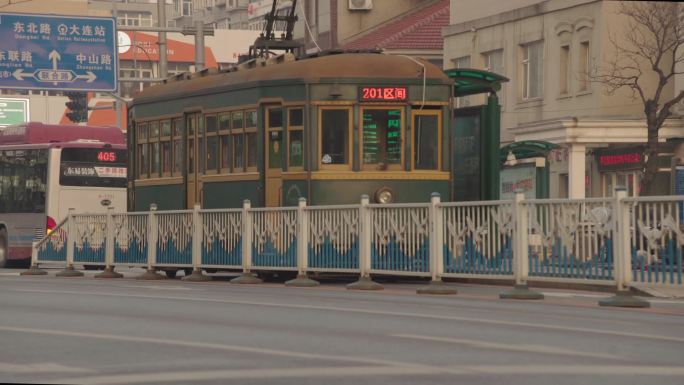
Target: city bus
47 169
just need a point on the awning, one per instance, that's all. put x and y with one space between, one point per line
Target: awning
471 81
526 149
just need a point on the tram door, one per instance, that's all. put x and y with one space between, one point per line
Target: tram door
194 156
274 156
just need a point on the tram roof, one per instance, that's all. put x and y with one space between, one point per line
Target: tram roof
37 133
335 66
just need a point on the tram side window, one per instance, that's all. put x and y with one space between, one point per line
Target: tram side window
238 133
334 136
23 178
201 150
143 158
165 144
426 132
295 140
382 144
212 143
225 138
275 138
177 146
251 137
154 149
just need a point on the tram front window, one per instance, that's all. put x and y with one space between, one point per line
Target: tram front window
426 134
382 138
335 136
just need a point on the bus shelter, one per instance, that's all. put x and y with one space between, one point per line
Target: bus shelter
477 136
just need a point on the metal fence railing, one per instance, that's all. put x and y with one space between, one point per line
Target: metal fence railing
617 240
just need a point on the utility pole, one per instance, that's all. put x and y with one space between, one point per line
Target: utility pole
161 22
117 103
199 45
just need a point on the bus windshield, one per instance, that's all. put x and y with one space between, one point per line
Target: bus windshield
23 178
93 167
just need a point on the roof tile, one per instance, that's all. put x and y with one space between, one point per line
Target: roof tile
421 29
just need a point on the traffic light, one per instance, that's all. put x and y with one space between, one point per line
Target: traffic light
78 106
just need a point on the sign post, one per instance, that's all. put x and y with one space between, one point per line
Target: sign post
58 53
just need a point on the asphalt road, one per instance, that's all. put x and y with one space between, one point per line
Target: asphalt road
126 331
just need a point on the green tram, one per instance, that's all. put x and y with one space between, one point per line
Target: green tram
328 128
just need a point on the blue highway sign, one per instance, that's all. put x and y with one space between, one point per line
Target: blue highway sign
57 52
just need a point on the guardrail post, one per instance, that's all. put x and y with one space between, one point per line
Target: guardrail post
197 235
109 248
152 236
246 277
70 271
34 269
521 263
622 256
365 243
436 232
302 279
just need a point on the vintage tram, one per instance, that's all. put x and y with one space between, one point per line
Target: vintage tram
328 127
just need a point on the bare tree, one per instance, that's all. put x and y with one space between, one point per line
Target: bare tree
647 57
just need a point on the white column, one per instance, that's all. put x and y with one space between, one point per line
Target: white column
71 237
576 170
302 237
109 240
196 237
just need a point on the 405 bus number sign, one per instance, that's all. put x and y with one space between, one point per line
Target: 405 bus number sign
382 94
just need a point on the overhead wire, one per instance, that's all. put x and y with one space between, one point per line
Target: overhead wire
308 28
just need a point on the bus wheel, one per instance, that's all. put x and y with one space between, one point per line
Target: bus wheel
171 273
3 247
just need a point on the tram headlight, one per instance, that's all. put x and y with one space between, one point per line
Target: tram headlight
384 195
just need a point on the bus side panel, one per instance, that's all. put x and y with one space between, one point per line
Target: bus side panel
231 194
90 200
21 231
166 197
335 192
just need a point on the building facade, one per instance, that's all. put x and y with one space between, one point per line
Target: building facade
549 50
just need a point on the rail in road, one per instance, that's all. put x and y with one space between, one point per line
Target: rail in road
618 241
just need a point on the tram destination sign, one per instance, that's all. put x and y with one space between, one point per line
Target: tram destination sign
382 94
57 53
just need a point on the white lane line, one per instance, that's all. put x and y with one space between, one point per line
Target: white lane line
540 349
206 345
160 287
346 372
232 375
478 321
579 295
578 370
571 295
44 367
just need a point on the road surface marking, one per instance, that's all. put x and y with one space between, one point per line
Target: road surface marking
346 372
232 375
45 367
207 345
160 287
478 321
541 349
